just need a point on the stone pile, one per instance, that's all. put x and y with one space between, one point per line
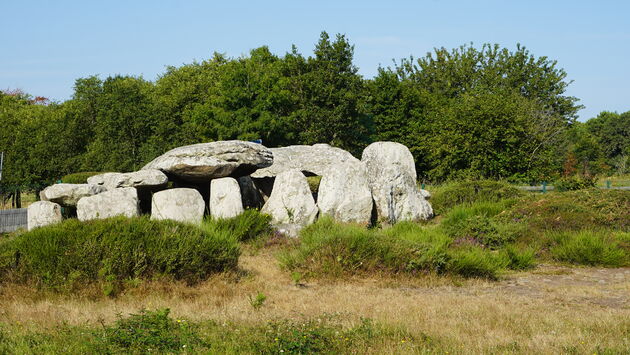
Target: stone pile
223 178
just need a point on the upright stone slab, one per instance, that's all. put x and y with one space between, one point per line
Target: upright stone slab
180 204
291 201
111 203
68 195
225 198
344 194
199 163
43 213
392 179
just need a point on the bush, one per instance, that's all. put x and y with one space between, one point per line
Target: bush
112 250
572 183
589 248
474 222
249 225
452 194
79 178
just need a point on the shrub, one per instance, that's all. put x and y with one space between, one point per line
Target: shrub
572 183
474 222
153 330
452 194
588 247
112 250
79 178
248 225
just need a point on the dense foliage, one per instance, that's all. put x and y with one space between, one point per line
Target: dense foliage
115 250
467 112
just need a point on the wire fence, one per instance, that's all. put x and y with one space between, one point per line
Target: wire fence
14 219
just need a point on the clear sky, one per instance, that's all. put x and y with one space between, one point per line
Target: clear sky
46 45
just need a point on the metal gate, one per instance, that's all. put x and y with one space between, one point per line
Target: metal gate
14 219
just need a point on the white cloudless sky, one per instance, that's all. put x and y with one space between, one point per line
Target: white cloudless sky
46 45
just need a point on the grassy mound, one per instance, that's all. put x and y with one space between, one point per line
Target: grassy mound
588 247
332 249
445 197
79 178
113 250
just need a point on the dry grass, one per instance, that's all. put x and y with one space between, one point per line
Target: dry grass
551 310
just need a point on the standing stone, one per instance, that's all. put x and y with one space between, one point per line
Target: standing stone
225 198
68 195
392 179
111 203
43 213
345 195
291 201
251 196
180 204
202 162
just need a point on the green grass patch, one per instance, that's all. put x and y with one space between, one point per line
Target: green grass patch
446 196
330 249
249 225
313 183
156 332
72 253
587 247
79 178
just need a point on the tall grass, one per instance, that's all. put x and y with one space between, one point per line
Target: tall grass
588 247
446 196
72 253
331 249
249 225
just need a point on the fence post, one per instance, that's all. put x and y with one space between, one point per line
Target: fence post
608 184
544 190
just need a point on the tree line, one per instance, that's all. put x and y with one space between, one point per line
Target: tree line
466 112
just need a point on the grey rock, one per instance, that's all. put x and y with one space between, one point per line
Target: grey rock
225 198
205 161
111 203
43 213
68 195
181 204
149 178
318 159
392 179
291 201
345 195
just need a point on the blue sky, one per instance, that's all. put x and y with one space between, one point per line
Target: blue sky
46 45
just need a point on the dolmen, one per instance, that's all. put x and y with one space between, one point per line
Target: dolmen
222 179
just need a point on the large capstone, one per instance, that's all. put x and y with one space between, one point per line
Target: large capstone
318 159
43 213
149 178
205 161
181 204
111 203
68 195
225 198
392 179
344 194
291 201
